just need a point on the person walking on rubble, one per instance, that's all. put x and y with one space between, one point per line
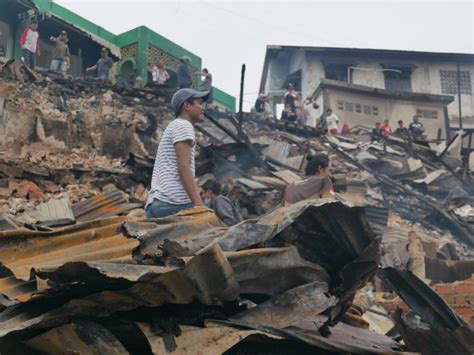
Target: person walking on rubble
30 44
173 187
225 209
317 184
61 55
185 79
103 66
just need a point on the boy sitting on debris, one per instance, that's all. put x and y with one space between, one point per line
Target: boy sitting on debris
173 187
225 209
316 185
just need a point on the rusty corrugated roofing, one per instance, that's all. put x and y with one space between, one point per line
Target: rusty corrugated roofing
102 206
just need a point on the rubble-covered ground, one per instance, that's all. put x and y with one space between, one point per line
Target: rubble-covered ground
84 272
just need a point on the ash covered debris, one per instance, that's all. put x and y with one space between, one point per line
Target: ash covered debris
84 271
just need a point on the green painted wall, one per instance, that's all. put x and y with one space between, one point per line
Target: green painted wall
224 99
143 36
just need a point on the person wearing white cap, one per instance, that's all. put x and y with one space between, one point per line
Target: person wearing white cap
173 187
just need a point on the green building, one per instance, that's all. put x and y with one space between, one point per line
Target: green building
134 51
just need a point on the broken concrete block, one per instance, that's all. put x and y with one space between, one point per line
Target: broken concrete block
414 164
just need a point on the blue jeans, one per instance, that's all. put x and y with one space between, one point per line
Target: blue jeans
59 65
103 76
159 209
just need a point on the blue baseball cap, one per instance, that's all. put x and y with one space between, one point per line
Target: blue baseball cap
182 95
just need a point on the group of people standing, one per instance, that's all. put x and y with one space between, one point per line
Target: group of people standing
415 130
61 55
306 112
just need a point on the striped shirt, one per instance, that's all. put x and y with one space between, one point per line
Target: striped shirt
166 183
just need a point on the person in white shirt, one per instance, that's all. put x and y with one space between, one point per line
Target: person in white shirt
312 112
332 122
160 74
29 43
173 187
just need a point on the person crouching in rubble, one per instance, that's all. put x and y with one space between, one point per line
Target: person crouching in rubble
317 184
61 55
103 66
225 209
173 187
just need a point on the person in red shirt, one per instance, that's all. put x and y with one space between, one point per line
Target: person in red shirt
385 129
30 44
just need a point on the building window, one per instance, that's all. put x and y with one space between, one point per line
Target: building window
375 110
427 113
336 72
358 108
348 106
398 82
340 105
367 110
449 82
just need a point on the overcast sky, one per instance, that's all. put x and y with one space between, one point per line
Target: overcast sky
226 34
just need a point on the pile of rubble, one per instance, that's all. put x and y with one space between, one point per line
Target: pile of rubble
83 271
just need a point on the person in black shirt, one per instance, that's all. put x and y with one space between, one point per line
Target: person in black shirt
288 115
401 131
260 103
290 97
376 135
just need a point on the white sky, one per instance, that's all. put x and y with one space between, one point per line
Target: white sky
226 34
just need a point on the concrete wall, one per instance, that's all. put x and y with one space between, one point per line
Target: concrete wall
278 69
312 75
372 78
425 76
390 109
467 101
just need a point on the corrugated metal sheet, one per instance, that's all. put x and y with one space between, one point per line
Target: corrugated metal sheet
92 271
21 251
51 213
102 206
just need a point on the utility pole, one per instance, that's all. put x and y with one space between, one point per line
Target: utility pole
241 101
459 95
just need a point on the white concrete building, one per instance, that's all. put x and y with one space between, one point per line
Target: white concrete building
391 70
